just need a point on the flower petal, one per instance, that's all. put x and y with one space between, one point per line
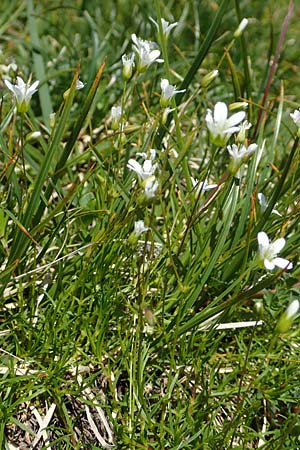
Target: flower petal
9 85
283 263
263 239
269 265
235 118
278 245
135 166
220 112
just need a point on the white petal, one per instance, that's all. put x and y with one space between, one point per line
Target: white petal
154 55
21 82
251 148
269 265
235 118
208 117
278 245
263 239
9 85
231 130
283 263
220 112
34 86
135 39
135 166
164 83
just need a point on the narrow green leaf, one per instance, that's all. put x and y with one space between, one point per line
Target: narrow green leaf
39 65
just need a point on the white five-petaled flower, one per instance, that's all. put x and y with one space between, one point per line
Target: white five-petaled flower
139 227
116 114
22 92
146 51
166 26
220 126
239 154
128 64
167 92
145 170
268 252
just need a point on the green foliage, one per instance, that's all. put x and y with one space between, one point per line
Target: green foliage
164 339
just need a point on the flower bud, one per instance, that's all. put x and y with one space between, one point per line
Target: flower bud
288 317
52 120
208 78
128 64
33 136
240 28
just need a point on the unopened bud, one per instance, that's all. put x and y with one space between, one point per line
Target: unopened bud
128 64
52 120
208 78
288 317
238 105
259 307
241 137
31 137
240 28
165 114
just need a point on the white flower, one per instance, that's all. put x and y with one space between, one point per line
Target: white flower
165 26
146 169
79 85
268 252
202 186
128 64
167 92
296 118
22 92
263 204
239 154
147 53
221 126
150 186
143 171
116 114
139 227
